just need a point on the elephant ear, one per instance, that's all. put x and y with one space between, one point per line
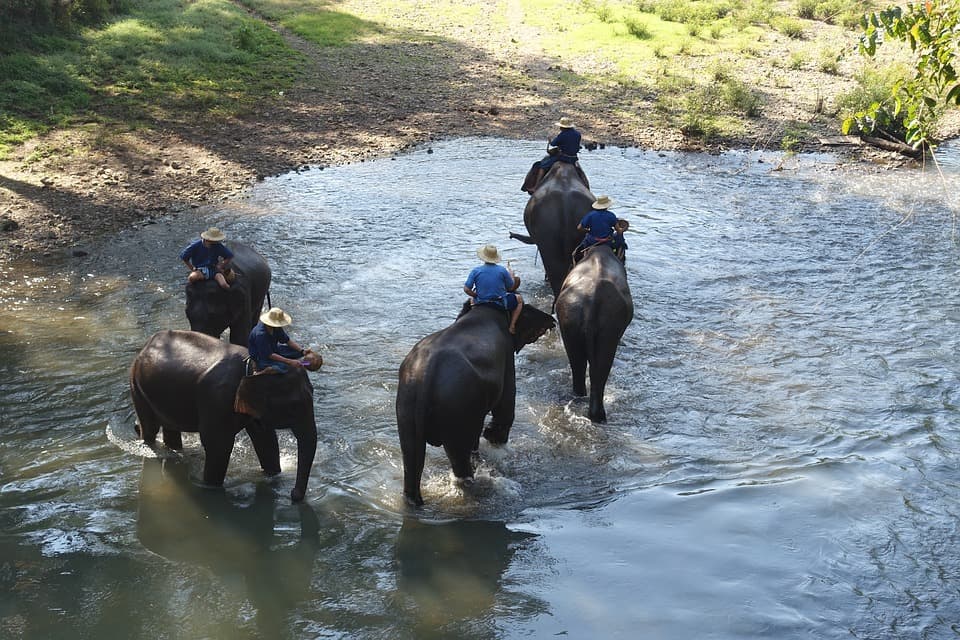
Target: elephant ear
531 325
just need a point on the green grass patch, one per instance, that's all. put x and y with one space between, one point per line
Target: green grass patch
315 21
165 59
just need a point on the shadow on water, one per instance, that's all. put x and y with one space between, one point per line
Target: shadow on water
450 575
234 538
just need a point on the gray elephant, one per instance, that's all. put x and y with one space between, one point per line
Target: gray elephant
212 310
452 379
594 308
188 381
551 217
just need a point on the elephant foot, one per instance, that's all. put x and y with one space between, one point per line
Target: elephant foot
413 501
496 434
297 495
597 416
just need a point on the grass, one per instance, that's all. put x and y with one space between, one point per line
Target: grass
166 59
170 60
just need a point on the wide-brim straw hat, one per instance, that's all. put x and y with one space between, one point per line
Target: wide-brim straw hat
602 202
489 253
213 235
276 317
564 123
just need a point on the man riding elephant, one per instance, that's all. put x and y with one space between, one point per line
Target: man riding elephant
564 147
212 310
187 381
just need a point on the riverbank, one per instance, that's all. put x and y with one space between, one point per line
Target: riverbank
374 99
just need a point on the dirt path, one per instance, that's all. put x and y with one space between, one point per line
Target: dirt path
352 103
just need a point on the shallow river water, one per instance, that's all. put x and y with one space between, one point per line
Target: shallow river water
782 457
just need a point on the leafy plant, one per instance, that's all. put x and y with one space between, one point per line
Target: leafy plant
932 30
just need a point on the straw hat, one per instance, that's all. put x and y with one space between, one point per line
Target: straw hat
602 202
275 318
564 123
489 253
213 235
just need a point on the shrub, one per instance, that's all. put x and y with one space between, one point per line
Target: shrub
638 28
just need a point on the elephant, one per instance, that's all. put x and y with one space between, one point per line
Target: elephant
452 379
551 217
211 310
188 381
594 308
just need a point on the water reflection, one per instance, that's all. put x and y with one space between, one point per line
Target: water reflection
453 572
232 536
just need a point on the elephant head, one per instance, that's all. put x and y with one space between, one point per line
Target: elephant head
283 401
212 310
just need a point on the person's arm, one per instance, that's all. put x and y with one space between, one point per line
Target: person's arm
470 292
512 278
187 256
290 361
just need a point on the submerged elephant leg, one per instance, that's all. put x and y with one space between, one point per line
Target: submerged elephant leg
599 372
217 448
266 446
503 415
577 356
173 439
460 461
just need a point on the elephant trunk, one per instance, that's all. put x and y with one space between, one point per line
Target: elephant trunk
306 450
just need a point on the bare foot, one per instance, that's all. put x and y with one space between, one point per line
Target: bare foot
513 329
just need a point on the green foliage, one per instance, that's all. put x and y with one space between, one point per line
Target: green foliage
870 105
738 97
638 28
790 27
829 62
932 30
166 60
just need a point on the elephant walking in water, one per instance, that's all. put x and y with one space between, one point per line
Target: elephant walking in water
452 379
188 381
212 310
594 308
551 217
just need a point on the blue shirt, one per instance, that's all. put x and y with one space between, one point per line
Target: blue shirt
490 281
599 224
569 142
201 256
262 344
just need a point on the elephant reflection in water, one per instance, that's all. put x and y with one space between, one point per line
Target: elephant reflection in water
186 523
451 573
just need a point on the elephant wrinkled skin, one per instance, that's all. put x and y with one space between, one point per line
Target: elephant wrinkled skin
187 381
211 310
594 308
551 217
452 379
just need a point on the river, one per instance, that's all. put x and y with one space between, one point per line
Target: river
780 461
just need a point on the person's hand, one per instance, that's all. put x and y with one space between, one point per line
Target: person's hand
295 364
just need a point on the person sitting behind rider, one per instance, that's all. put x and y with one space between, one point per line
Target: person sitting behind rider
601 225
563 148
489 283
270 346
203 255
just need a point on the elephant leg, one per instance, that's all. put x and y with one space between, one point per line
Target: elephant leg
306 434
217 441
599 372
460 461
266 445
173 439
414 449
577 356
148 425
504 413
